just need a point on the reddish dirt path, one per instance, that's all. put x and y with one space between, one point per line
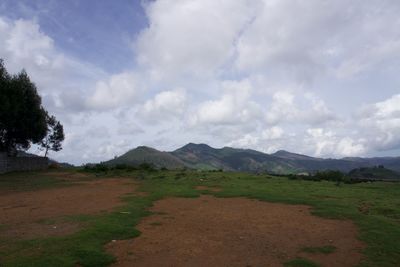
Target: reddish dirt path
209 231
21 213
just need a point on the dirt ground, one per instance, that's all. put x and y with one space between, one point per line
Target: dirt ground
37 213
209 231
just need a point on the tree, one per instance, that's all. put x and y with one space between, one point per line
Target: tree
22 117
54 136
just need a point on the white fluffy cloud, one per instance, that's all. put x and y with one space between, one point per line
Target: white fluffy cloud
164 106
272 133
304 38
119 90
328 142
262 74
382 123
61 80
192 38
307 37
233 107
286 107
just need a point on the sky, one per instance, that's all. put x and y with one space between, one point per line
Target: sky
318 77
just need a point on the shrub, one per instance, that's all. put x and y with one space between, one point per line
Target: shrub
101 168
54 165
146 167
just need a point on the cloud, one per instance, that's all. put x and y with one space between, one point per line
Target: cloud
191 38
61 80
248 140
39 44
164 106
366 59
110 149
119 90
129 128
329 143
286 107
305 39
262 74
381 121
272 133
234 106
100 132
267 140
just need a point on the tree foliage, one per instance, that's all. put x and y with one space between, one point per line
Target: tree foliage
54 136
23 120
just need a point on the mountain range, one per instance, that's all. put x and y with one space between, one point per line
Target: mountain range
202 156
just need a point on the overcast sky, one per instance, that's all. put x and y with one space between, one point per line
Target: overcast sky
319 77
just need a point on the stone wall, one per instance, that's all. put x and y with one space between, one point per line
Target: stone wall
9 164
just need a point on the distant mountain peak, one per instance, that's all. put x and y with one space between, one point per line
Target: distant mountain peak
290 155
197 145
150 155
282 152
145 148
203 156
193 146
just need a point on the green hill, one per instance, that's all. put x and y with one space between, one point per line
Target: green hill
374 173
143 154
227 158
202 156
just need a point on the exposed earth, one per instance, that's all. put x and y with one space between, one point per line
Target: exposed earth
41 213
209 231
203 231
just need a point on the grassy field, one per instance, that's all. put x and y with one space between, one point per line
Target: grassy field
374 207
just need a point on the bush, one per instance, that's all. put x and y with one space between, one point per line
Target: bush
141 176
101 168
123 166
179 175
54 165
96 168
329 175
146 167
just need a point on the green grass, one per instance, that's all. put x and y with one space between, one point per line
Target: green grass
25 181
300 262
319 250
379 227
84 247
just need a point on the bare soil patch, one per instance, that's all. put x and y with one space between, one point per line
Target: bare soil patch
209 231
69 176
22 214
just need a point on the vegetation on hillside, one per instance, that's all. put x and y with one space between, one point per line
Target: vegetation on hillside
204 157
147 155
367 174
374 173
